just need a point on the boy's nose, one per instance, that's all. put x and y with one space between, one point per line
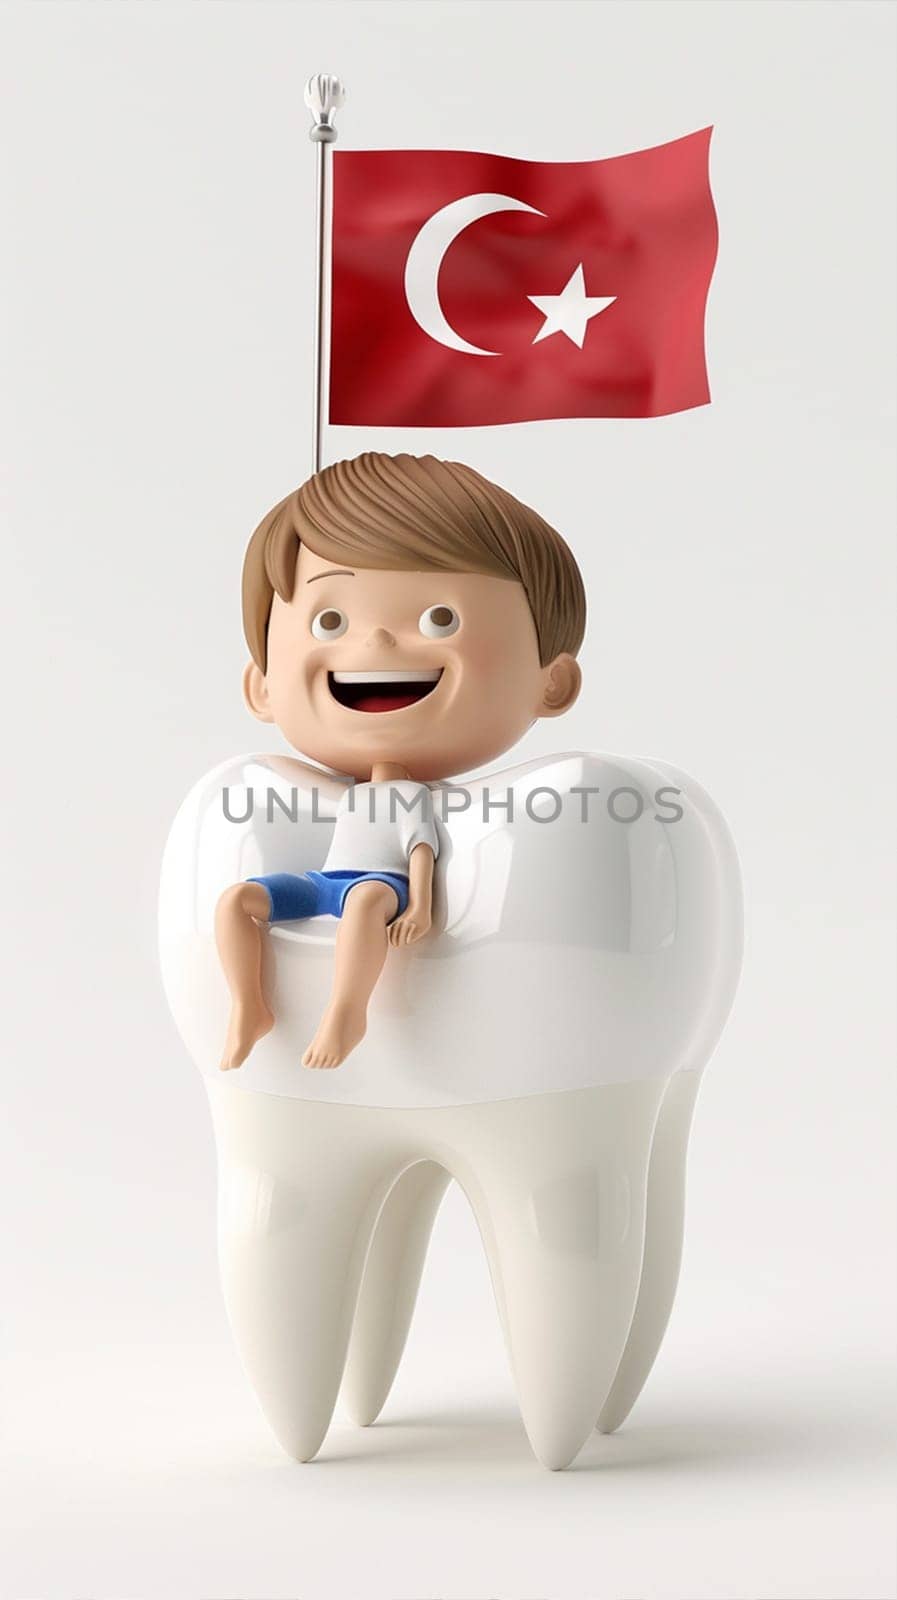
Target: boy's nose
381 636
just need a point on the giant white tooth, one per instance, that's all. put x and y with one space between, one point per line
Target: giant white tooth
543 1047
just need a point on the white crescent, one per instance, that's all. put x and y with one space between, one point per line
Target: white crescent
425 260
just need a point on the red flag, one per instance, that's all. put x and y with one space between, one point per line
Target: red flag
471 289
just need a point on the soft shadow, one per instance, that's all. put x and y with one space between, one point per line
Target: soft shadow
484 1434
727 1442
491 1437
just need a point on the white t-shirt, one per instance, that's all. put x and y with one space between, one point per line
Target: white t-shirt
378 825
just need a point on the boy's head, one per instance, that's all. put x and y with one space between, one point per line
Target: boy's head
401 608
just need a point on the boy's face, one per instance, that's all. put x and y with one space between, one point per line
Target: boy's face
436 671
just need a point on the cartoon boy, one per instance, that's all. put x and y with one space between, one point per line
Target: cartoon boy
407 620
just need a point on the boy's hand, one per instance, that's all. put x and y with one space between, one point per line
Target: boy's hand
412 925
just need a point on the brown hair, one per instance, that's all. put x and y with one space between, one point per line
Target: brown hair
414 512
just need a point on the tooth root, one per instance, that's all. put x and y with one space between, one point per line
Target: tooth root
318 1202
558 1183
663 1248
389 1288
299 1198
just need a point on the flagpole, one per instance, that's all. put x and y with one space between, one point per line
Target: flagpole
324 94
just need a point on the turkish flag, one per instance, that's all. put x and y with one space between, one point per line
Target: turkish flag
471 289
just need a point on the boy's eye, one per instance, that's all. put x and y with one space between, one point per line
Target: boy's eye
437 622
329 624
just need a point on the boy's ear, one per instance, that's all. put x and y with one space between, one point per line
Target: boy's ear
561 685
255 692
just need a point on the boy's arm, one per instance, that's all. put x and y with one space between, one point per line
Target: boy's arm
416 918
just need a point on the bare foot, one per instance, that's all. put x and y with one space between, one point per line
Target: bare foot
248 1024
340 1029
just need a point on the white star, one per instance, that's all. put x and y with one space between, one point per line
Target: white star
570 311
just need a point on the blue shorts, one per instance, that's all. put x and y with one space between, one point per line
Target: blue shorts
322 894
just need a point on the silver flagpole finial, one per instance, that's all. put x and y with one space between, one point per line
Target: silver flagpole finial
324 94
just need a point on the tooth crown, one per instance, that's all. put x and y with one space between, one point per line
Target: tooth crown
566 953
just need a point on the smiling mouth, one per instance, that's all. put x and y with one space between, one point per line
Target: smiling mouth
381 691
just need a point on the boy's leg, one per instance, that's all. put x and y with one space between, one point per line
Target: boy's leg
239 940
361 946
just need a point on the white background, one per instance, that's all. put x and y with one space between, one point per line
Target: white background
157 192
